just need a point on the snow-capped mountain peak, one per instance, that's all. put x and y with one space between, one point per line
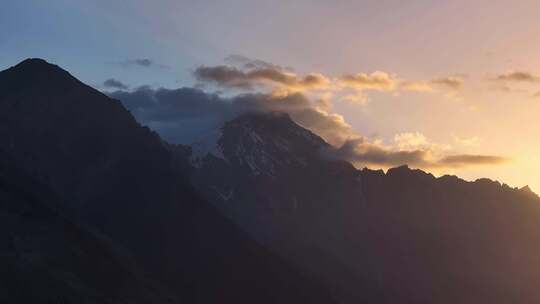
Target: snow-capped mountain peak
259 142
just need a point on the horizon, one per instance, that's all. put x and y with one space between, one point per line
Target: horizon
457 98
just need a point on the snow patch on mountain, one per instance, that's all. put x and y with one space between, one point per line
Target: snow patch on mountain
251 151
262 144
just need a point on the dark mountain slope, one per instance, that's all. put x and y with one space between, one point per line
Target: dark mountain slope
447 240
47 258
267 173
398 237
117 176
268 159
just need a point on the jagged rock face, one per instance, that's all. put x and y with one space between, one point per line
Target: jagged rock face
259 144
403 236
266 162
119 178
267 143
268 173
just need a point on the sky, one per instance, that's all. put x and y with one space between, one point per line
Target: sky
448 86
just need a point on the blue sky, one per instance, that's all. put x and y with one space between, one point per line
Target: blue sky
87 36
87 40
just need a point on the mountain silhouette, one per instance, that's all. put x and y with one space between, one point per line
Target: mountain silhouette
96 208
121 223
47 257
403 236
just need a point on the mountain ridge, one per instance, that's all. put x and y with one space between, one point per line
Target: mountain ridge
268 205
118 177
383 226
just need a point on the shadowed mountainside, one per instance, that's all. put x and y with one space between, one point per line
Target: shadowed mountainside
398 237
48 258
107 172
96 208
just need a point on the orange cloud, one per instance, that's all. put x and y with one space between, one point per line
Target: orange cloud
518 76
452 82
418 153
380 81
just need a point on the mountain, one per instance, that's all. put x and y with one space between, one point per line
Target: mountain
267 162
95 208
445 239
117 187
46 257
269 175
403 236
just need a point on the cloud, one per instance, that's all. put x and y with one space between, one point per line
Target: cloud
182 115
410 141
244 74
260 75
362 152
517 82
519 76
141 62
330 126
452 82
114 84
416 86
380 81
461 160
248 63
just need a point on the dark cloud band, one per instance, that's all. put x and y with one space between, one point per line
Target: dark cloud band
112 83
182 115
361 151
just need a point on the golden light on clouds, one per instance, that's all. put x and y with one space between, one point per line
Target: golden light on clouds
320 94
380 81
